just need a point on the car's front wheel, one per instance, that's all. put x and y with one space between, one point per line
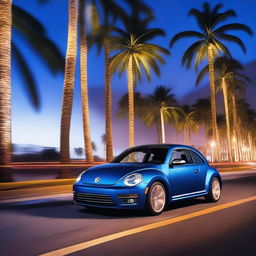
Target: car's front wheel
156 198
215 191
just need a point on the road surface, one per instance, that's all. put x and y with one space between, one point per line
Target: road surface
54 226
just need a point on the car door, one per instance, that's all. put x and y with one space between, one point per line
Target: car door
202 168
183 178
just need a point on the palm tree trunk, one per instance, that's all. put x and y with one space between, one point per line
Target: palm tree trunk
213 103
189 136
225 95
69 78
84 84
5 90
108 104
158 127
236 129
250 147
206 128
184 135
130 76
162 125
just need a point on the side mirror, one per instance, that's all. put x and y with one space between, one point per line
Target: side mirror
178 161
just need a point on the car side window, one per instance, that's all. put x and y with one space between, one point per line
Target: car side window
196 158
181 154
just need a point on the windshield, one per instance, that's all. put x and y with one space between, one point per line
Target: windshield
148 155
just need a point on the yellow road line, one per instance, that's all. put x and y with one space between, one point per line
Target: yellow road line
84 245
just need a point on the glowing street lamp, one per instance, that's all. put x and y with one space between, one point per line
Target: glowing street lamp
213 144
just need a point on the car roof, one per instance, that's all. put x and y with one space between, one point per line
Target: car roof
167 146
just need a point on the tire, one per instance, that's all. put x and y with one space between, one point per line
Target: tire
156 199
214 191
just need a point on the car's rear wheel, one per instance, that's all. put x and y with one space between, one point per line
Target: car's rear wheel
156 199
215 191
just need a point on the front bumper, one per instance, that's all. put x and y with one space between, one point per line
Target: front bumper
110 197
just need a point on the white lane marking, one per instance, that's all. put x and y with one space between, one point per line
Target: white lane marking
108 238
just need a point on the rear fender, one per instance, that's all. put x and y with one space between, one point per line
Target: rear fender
211 173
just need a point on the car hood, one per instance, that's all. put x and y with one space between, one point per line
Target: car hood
109 174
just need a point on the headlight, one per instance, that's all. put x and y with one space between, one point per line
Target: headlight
79 176
133 179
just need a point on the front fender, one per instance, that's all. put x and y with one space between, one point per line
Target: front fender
211 173
153 175
150 175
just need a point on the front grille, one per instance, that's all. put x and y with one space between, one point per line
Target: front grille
94 199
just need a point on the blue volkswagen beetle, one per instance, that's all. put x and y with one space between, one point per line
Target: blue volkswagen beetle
148 177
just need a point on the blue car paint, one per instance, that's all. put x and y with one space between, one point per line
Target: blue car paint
181 182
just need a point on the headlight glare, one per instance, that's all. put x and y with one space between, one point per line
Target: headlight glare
133 179
79 176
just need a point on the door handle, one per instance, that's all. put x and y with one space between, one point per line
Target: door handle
196 171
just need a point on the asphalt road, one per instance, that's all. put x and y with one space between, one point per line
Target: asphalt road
48 225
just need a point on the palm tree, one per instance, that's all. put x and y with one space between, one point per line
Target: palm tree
187 123
94 147
140 103
5 89
246 117
101 35
210 44
227 77
79 151
202 114
69 76
35 34
84 83
161 108
134 55
141 111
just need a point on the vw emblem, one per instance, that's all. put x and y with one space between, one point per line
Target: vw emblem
97 179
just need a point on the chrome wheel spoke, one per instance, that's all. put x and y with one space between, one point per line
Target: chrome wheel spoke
216 189
157 198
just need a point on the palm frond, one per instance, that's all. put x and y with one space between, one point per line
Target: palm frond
221 47
186 34
29 80
144 63
199 18
115 61
43 46
94 17
244 77
151 33
21 16
220 17
156 48
234 39
190 52
201 54
202 74
234 26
